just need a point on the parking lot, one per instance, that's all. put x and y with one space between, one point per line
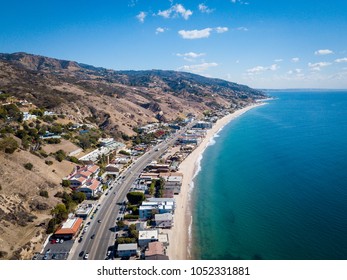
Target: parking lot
55 251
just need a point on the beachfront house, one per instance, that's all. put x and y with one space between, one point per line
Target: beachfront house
163 220
147 236
154 248
156 206
203 125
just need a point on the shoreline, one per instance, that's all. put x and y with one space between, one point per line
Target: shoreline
179 235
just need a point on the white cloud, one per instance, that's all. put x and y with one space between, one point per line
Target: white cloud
160 30
279 60
295 59
175 11
260 69
242 28
318 65
141 16
203 33
198 68
204 9
295 71
195 34
339 60
239 1
190 54
221 29
323 52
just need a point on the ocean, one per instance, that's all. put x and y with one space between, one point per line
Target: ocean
273 183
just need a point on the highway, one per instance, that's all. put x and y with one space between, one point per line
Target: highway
100 236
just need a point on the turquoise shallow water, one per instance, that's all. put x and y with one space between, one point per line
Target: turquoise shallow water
274 184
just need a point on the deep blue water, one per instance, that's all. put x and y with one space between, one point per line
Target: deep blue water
274 185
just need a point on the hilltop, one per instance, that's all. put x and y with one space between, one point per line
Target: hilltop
117 101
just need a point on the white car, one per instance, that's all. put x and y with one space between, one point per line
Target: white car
86 256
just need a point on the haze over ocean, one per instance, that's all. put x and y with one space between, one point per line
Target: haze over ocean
274 184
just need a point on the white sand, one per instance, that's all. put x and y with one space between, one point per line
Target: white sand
178 235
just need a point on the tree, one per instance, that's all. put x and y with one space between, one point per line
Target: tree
8 145
66 183
60 155
60 212
135 197
78 196
51 225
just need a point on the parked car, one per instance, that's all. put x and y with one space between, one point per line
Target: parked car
61 241
92 237
99 221
80 239
86 256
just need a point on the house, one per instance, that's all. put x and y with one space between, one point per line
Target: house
81 175
148 209
127 250
91 188
163 220
69 229
147 236
155 248
113 169
203 125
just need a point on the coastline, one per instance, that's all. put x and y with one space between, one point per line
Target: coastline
179 238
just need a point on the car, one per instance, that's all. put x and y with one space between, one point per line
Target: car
45 257
86 256
99 221
54 256
61 241
80 239
57 240
92 237
109 252
48 250
53 241
81 254
88 223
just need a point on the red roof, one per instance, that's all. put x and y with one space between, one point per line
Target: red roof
71 226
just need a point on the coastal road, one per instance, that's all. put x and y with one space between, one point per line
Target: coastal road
100 236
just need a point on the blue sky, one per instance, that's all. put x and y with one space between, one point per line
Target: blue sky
264 44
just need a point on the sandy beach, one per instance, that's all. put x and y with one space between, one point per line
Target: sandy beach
178 235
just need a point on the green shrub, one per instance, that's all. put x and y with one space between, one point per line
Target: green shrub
44 193
28 166
48 162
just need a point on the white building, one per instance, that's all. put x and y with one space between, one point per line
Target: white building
147 236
